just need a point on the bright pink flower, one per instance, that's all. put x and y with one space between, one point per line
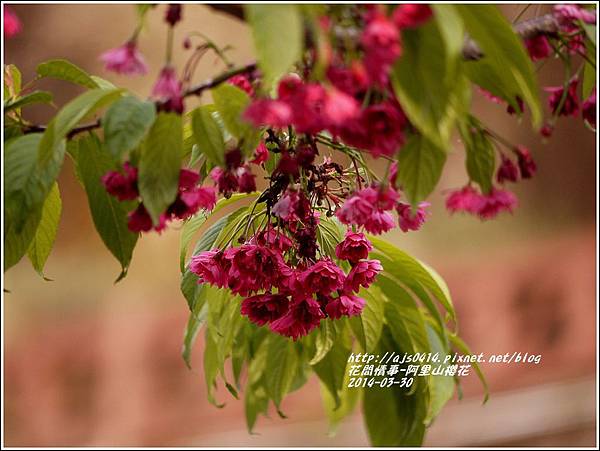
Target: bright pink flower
496 202
340 108
379 222
242 82
307 103
526 164
322 277
122 185
538 47
254 268
188 179
191 201
125 60
139 220
379 129
303 316
265 308
407 220
571 104
211 267
246 182
355 247
350 80
568 14
168 89
508 171
362 274
386 197
286 206
289 86
272 239
226 181
12 24
261 154
465 200
411 15
356 210
588 109
345 305
381 43
274 113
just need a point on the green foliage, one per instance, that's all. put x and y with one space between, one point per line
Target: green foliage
278 37
70 115
481 159
231 102
126 123
208 135
43 241
420 165
506 69
109 214
65 70
160 164
426 79
28 99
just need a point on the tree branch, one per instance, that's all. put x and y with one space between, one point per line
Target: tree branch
193 91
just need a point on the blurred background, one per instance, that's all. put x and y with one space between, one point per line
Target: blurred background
88 362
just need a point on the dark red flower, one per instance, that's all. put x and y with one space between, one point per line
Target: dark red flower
588 109
409 221
355 247
265 308
526 164
508 171
538 47
139 220
322 277
211 267
122 185
345 305
381 43
362 274
246 180
571 103
411 15
173 14
303 316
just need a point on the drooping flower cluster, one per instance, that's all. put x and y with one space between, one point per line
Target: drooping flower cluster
289 294
237 176
190 197
486 206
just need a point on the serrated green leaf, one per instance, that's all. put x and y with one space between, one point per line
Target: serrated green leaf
420 165
372 316
281 368
126 123
160 164
481 158
325 337
45 234
278 35
28 99
505 69
67 71
27 181
231 102
70 115
207 135
108 213
425 78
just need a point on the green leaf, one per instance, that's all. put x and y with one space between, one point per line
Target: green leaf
160 164
331 369
18 240
372 316
281 368
28 99
192 225
211 368
481 158
459 344
126 123
12 81
67 71
207 135
27 181
70 115
409 268
425 78
325 337
505 69
329 233
441 388
420 165
394 416
43 241
278 35
231 102
194 324
109 214
348 399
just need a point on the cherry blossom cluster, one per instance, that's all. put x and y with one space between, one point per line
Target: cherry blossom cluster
282 288
190 198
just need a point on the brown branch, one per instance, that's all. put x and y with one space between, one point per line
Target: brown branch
193 91
546 25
